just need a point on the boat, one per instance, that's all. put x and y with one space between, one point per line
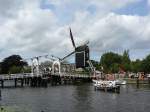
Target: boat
106 85
120 82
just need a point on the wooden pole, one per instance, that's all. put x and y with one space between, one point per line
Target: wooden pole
0 95
149 81
2 83
137 82
15 82
22 82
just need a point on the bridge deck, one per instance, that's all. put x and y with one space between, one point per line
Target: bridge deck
30 75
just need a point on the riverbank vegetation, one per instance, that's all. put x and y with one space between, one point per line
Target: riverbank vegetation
12 64
109 62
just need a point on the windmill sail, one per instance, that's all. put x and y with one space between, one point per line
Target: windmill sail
73 43
68 55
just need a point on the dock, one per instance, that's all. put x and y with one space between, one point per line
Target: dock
42 80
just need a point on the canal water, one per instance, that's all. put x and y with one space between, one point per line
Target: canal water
76 98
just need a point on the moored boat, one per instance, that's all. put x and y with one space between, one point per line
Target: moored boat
106 85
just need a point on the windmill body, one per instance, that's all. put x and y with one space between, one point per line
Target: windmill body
82 56
81 53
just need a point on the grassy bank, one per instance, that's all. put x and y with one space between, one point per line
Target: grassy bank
6 109
134 81
13 109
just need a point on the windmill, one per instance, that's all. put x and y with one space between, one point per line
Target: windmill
81 53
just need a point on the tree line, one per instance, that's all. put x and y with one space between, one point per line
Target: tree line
111 62
12 64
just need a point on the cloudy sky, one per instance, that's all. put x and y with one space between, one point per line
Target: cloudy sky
36 27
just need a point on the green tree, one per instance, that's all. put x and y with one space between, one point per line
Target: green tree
15 69
115 67
126 62
145 65
26 69
95 64
110 62
11 61
136 66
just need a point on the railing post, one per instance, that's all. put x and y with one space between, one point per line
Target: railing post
137 82
0 95
15 82
22 82
149 81
2 83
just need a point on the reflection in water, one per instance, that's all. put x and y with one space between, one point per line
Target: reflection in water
76 98
82 96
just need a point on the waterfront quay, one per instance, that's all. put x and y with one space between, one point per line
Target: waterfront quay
135 81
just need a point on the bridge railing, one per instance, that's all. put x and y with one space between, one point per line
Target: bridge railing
74 75
25 75
13 76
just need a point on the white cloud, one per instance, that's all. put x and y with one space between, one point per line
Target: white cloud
29 30
114 32
148 2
